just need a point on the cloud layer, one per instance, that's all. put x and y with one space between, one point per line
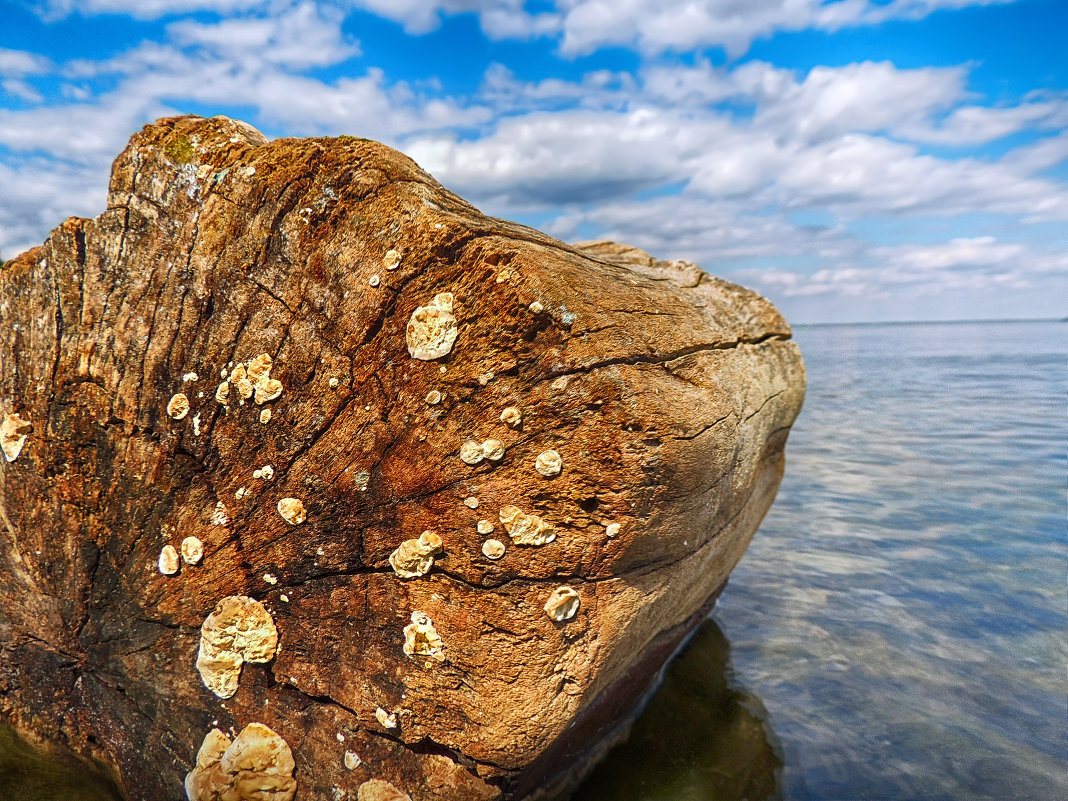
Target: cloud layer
804 183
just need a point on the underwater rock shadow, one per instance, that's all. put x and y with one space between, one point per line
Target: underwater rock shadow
700 737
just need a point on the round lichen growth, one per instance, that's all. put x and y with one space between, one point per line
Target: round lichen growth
179 150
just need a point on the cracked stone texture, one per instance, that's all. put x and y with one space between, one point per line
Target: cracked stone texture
668 393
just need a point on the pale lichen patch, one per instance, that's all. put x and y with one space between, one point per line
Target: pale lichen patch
13 433
333 383
192 550
422 639
512 417
388 720
471 502
242 493
471 453
391 260
196 424
219 517
380 790
415 557
431 330
245 388
493 549
257 766
374 280
562 605
265 416
270 578
292 511
260 368
168 560
266 472
484 527
239 630
178 406
267 389
433 397
612 529
352 760
526 529
536 308
493 449
485 378
549 463
222 392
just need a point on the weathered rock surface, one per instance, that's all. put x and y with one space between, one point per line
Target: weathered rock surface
667 396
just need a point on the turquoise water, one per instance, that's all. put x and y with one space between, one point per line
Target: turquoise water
901 614
898 630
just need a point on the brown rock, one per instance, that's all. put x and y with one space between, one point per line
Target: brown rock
667 395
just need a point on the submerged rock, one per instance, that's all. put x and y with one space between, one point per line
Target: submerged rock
646 407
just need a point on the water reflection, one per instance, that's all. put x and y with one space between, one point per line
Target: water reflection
699 739
27 774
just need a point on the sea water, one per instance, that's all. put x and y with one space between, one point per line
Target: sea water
898 624
897 629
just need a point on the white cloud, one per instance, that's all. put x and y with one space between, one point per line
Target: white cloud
141 9
19 63
653 26
299 37
500 19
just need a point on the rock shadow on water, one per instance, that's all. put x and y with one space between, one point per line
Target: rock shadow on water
28 773
700 738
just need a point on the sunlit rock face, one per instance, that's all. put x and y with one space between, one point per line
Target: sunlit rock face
590 435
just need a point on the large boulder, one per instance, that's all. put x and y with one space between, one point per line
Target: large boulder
270 422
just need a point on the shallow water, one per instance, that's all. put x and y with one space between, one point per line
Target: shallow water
901 613
898 627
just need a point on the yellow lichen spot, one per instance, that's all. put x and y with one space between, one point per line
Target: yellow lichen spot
375 280
242 493
471 502
352 760
168 560
265 416
267 389
434 397
526 529
219 516
259 368
549 464
415 557
512 417
387 719
422 639
222 392
192 550
239 630
238 373
270 578
245 388
612 529
536 308
471 453
333 383
292 511
391 260
257 766
432 331
380 790
266 472
493 549
562 604
493 449
13 433
196 424
484 527
178 406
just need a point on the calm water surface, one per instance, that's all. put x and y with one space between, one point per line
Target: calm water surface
897 629
901 614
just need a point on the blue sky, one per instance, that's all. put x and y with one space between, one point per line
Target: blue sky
855 160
